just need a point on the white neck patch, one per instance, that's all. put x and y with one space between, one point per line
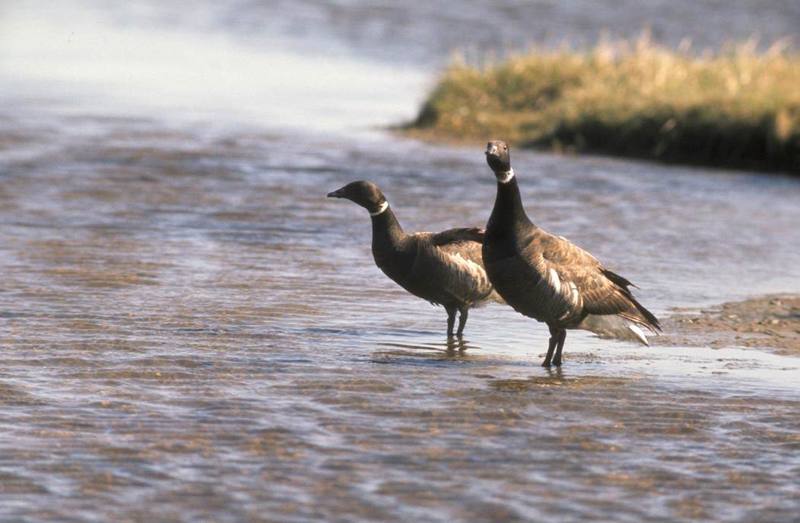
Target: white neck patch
505 177
381 209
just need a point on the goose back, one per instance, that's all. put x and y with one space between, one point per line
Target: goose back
443 268
452 261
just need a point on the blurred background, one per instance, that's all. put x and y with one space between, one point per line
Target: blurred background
313 65
191 331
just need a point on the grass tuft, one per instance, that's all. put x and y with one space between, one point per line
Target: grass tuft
738 107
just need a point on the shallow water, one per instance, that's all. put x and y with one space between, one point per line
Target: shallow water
191 331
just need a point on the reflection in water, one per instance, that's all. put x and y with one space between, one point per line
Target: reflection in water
408 353
456 346
556 377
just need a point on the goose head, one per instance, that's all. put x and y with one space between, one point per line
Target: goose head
363 193
498 158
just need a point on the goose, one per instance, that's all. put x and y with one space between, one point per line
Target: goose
443 268
548 278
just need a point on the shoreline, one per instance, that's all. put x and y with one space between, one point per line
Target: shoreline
770 322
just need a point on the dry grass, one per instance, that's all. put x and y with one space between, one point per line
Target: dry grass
738 107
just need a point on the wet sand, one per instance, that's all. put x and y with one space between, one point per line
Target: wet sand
768 322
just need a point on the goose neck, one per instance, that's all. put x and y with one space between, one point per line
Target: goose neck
386 230
508 207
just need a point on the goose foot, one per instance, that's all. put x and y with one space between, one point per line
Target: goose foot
562 336
550 348
451 320
554 347
462 321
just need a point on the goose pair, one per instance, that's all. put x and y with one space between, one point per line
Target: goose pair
540 275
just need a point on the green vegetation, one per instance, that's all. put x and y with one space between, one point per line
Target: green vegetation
738 107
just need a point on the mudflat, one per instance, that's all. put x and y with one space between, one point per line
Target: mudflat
770 322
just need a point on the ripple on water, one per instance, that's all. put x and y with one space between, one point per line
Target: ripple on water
191 331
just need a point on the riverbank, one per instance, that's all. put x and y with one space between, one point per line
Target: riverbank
771 322
737 108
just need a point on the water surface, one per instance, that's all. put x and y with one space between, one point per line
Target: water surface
191 331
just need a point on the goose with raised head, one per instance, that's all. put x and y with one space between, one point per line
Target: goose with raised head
443 268
550 279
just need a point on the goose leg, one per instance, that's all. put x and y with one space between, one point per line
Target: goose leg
562 336
551 347
462 320
451 320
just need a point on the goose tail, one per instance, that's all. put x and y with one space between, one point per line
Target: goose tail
639 314
644 317
614 326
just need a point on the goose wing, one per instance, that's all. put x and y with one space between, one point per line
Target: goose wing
452 261
451 236
467 243
578 284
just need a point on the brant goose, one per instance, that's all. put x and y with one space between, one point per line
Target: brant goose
547 278
443 268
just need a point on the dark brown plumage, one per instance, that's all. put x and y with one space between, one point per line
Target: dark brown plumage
550 279
443 268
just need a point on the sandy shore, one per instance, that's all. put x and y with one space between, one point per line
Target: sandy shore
771 322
